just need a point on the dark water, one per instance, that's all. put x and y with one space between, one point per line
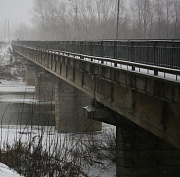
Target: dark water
26 114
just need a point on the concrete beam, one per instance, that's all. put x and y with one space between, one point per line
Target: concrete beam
30 73
44 86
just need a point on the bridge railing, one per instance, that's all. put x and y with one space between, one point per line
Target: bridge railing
156 52
171 74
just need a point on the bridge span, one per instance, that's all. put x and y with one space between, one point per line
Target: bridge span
134 85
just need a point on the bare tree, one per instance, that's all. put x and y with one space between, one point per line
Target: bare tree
169 16
97 19
176 18
142 16
46 17
159 24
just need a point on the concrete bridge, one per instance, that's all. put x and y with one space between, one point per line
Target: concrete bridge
134 85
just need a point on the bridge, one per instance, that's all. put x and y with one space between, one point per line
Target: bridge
134 85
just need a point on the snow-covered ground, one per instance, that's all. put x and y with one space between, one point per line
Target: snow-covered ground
5 171
50 135
6 86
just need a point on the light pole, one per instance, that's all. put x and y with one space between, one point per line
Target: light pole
117 25
1 35
76 12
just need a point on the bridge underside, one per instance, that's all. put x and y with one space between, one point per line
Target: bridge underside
67 99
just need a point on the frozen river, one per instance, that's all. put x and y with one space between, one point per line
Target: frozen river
20 108
17 102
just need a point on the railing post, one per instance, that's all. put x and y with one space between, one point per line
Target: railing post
102 51
131 56
115 52
178 55
155 62
91 48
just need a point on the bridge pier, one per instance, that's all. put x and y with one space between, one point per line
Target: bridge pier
69 103
44 86
140 153
30 73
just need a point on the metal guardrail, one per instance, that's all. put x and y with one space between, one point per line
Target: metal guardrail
153 70
165 53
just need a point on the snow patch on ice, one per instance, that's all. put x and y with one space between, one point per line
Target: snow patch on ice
15 89
5 171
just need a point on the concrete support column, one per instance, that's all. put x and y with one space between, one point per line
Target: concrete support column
142 154
30 74
69 103
44 86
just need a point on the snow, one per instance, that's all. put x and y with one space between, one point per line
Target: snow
10 88
16 92
24 133
5 171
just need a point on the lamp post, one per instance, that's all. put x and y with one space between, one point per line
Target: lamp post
117 25
1 35
76 12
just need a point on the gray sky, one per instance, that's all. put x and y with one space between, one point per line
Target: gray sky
16 11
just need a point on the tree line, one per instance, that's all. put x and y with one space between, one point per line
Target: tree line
97 20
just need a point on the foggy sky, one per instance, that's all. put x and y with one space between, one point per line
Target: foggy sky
16 11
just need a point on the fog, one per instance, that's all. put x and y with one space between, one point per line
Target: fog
16 11
91 20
